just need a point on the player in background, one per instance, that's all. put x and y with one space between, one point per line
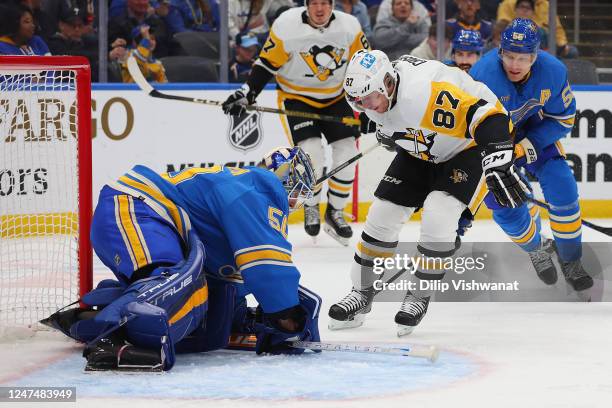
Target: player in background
533 87
307 52
452 138
186 248
466 49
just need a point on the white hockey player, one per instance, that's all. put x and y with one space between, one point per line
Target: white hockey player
307 51
452 138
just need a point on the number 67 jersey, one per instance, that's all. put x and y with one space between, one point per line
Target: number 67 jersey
436 109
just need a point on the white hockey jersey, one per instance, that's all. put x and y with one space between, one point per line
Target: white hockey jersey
310 63
437 109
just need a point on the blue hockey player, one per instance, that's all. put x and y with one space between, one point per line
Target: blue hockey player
533 87
466 49
186 248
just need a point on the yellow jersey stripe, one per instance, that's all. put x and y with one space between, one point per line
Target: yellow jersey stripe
481 192
260 247
198 298
324 91
130 231
528 236
141 237
273 51
248 257
309 101
265 262
158 196
126 241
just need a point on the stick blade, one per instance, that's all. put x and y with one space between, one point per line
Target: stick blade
137 76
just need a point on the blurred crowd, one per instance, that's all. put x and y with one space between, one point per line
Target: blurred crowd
162 33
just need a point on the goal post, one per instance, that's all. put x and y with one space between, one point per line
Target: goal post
45 186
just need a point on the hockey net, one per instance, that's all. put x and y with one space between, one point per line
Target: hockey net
45 187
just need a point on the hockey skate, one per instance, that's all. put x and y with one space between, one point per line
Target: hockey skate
336 226
542 262
411 312
351 310
312 220
576 276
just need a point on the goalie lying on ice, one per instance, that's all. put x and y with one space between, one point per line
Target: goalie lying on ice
186 248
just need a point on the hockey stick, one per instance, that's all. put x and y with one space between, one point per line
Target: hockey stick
604 230
347 163
142 83
429 352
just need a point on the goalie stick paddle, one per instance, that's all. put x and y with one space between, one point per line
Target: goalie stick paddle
142 83
431 353
604 230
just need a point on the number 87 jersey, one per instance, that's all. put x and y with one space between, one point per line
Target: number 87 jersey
436 109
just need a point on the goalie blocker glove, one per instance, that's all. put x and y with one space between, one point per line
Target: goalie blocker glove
503 180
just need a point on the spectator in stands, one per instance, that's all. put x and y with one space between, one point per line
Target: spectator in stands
44 22
248 16
193 15
139 12
70 40
245 52
143 45
507 12
495 40
526 9
467 18
54 9
17 30
372 6
277 7
385 11
358 10
488 9
429 47
400 33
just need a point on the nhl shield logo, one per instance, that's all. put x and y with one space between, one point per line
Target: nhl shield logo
244 132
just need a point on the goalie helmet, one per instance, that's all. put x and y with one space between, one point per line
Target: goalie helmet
521 36
294 169
367 72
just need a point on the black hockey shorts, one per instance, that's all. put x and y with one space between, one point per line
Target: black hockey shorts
303 128
408 180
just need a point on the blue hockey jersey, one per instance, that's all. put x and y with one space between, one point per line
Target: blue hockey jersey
542 107
240 214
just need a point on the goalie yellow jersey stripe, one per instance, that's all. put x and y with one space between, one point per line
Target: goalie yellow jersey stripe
130 230
270 255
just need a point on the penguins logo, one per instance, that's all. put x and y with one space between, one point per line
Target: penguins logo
417 144
458 176
323 61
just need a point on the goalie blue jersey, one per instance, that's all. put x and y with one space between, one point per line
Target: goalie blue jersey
240 214
542 107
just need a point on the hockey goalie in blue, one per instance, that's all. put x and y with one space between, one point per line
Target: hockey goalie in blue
186 248
533 87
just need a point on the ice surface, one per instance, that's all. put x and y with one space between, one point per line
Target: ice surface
494 354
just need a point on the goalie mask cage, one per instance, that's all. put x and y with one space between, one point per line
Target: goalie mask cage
45 186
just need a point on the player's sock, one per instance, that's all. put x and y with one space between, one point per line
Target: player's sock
520 226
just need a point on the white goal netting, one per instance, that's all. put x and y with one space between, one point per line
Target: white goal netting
39 194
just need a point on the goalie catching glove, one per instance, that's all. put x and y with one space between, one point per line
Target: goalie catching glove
503 180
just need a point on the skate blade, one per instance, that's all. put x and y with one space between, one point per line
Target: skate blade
584 295
126 369
357 321
330 231
403 330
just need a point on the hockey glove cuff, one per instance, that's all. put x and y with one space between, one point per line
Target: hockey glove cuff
236 103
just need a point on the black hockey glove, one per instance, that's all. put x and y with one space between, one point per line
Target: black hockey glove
236 103
503 180
388 142
367 125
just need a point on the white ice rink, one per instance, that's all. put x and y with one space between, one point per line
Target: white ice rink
493 355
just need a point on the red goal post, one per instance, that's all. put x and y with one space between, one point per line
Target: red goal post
45 186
